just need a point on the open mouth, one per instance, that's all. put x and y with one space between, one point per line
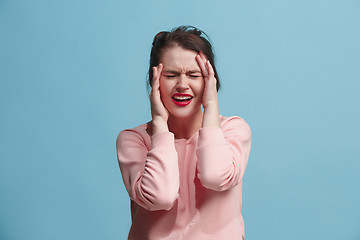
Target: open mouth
182 99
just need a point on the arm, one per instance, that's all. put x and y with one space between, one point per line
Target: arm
223 154
151 177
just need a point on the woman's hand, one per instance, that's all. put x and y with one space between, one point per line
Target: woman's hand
210 103
210 91
159 113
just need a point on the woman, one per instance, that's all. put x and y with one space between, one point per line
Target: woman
183 170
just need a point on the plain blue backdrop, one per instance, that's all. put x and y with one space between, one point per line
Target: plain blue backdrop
73 75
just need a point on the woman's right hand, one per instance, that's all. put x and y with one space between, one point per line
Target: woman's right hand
159 113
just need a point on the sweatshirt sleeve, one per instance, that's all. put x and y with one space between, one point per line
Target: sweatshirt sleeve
223 154
151 177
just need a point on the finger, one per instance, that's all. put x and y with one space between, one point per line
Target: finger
160 68
210 68
153 84
158 71
154 73
155 78
201 65
203 57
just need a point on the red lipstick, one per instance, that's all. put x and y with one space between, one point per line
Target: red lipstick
181 99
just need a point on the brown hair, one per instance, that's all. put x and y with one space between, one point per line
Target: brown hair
187 37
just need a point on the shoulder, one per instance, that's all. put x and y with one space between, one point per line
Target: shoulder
232 121
139 134
235 125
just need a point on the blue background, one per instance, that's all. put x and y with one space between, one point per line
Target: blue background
73 75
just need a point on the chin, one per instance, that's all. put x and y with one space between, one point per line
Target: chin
180 115
184 113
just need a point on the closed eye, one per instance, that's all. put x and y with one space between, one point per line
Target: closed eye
195 76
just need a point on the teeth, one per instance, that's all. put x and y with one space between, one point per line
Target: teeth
181 98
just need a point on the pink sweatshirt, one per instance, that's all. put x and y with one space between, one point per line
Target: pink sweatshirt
185 188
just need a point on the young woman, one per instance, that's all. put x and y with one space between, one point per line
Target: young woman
183 170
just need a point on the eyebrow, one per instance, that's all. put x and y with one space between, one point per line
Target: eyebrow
177 72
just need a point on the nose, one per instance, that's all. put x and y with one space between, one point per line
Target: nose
181 84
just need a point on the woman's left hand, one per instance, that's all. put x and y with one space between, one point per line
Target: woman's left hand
209 99
210 91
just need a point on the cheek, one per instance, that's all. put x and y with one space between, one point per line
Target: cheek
200 88
202 93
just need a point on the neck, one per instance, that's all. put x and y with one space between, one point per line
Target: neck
185 127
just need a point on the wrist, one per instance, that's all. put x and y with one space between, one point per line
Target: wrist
211 117
211 104
159 126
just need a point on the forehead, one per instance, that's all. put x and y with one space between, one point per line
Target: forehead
179 58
